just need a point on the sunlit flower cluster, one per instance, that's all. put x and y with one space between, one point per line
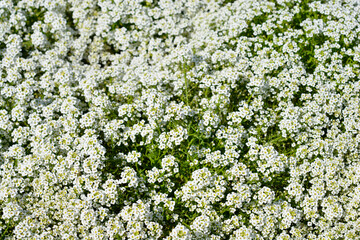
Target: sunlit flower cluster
178 120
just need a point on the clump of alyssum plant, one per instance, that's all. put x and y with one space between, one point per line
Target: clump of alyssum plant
174 120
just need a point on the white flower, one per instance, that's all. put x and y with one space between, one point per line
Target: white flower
265 195
180 232
242 233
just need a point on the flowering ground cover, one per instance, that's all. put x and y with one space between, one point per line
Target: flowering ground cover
186 119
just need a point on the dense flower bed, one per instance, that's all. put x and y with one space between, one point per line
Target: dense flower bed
186 119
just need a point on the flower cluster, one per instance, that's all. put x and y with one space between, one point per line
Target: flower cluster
164 119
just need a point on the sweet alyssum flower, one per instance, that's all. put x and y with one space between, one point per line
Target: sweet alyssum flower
179 119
